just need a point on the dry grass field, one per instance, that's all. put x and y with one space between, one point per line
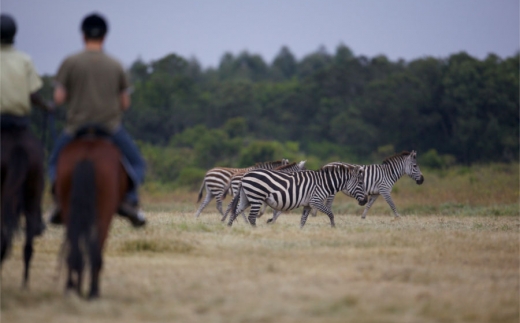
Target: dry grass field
453 257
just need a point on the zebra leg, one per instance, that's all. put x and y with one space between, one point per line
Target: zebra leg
241 205
244 216
329 201
205 203
321 207
262 210
305 214
255 208
227 211
371 201
276 214
218 198
388 199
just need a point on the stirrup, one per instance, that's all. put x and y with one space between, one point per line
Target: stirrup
135 216
55 216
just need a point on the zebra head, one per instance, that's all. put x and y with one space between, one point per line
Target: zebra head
412 169
355 185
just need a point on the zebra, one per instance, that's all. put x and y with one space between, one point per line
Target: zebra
379 179
216 179
287 191
236 179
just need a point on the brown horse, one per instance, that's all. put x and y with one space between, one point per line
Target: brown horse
22 188
91 182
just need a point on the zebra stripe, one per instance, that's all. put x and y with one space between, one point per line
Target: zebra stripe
236 179
217 179
380 179
287 191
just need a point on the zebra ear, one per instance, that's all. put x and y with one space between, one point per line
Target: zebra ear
414 154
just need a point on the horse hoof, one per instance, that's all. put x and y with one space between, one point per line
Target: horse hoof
40 229
93 296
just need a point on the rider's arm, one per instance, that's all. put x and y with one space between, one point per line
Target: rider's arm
124 97
37 100
60 94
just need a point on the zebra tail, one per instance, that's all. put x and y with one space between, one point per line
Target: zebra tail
234 204
201 190
81 226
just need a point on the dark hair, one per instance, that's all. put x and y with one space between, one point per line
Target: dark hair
94 26
7 29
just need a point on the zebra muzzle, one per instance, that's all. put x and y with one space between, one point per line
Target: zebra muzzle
420 180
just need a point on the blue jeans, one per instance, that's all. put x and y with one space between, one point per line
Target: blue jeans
132 160
9 121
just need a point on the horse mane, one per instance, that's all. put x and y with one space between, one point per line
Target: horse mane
401 154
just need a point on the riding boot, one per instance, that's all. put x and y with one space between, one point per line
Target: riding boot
55 215
131 211
40 228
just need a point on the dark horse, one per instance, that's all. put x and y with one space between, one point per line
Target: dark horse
22 188
91 182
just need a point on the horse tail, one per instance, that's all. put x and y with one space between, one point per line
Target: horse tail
81 229
11 204
201 190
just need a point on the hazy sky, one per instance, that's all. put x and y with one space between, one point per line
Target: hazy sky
48 30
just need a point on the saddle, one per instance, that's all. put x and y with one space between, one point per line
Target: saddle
92 131
95 131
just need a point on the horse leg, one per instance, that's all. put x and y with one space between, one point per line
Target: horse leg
70 282
96 262
33 219
4 249
27 253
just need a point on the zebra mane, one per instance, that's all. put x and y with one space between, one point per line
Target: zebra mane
401 154
349 168
291 165
274 164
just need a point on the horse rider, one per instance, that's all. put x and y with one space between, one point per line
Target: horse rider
19 85
96 90
20 82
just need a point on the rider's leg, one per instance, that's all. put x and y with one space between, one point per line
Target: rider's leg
136 162
136 172
62 140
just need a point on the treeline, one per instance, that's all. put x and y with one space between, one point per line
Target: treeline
457 109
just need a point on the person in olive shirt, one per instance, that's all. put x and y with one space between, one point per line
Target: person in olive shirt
95 88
